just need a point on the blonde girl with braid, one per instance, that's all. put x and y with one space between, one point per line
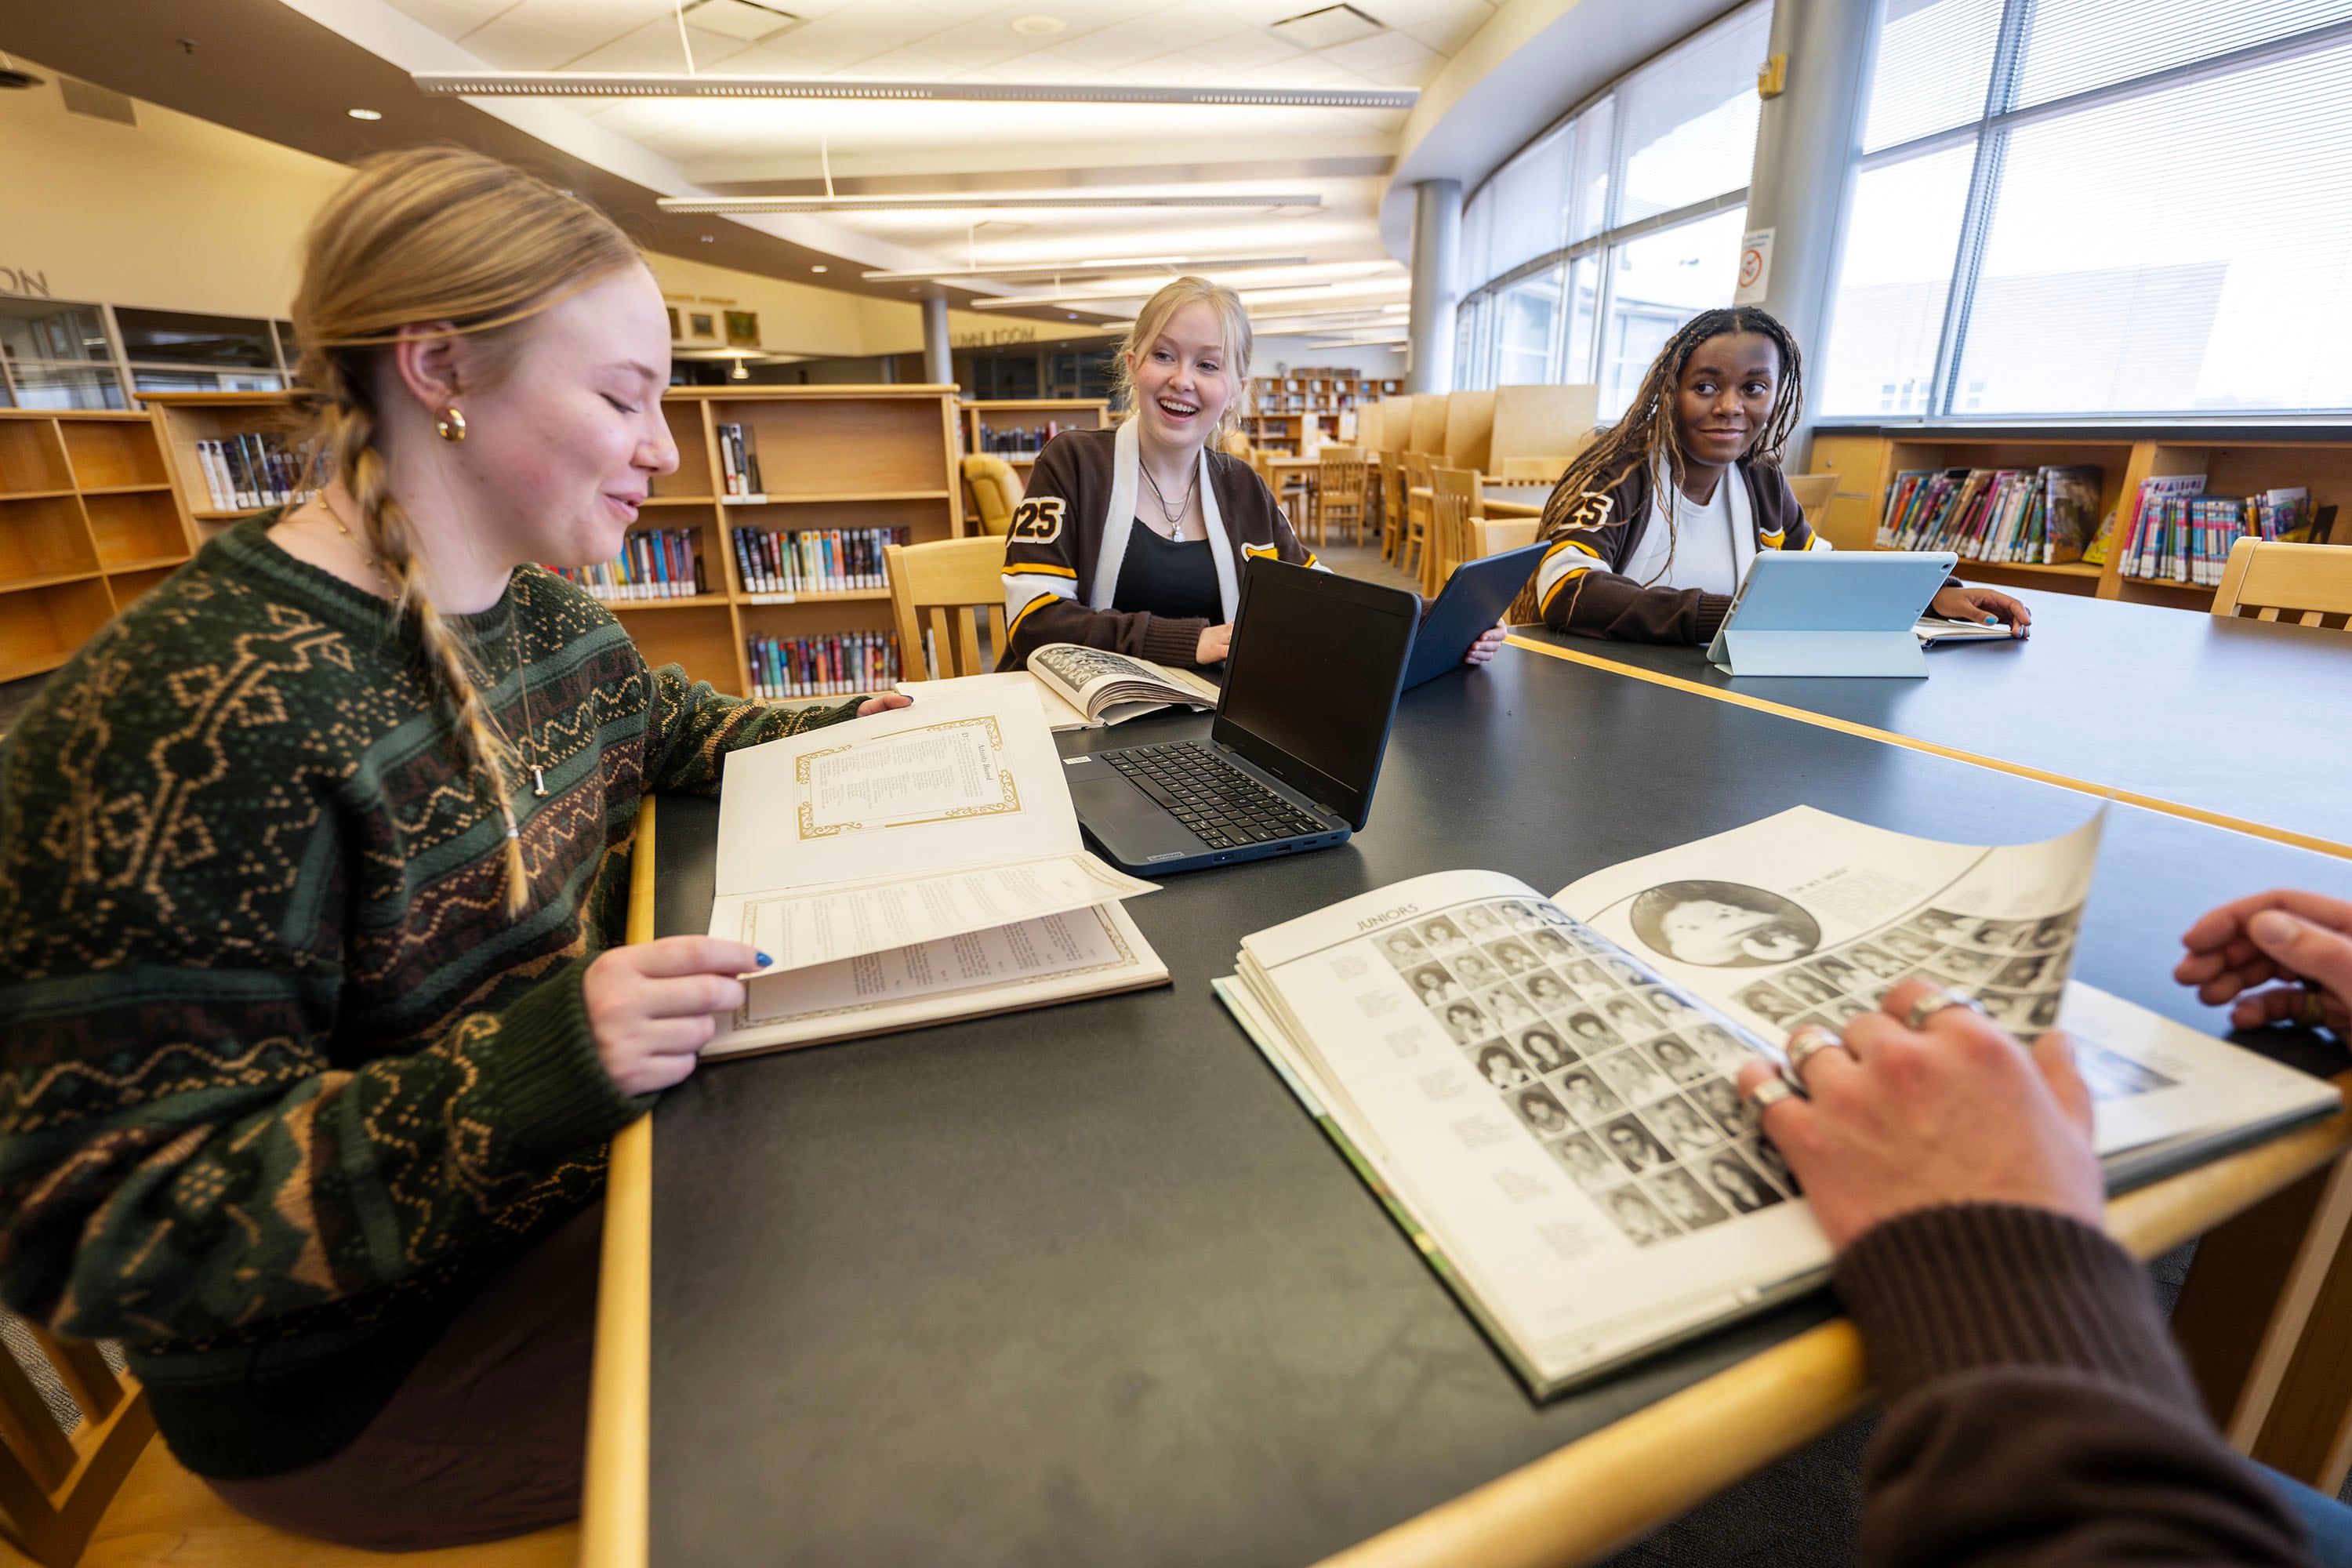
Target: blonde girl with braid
1653 524
313 1019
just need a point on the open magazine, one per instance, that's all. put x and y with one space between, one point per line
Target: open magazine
1112 687
1541 1089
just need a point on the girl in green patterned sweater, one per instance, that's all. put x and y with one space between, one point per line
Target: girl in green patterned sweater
313 1025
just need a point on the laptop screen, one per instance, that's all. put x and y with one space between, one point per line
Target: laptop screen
1312 680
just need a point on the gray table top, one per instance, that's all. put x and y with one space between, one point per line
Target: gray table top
1087 1284
2245 719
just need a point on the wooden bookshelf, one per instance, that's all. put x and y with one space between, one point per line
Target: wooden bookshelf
831 457
87 522
976 416
2235 461
1281 406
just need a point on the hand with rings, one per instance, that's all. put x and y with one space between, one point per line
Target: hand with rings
2304 939
1930 1102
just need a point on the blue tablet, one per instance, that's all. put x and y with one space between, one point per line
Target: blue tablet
1829 611
1473 599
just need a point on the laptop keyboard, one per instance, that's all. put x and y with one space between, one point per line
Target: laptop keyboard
1225 806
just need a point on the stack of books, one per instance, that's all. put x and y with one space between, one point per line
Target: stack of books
2181 535
656 564
841 664
244 473
814 561
2040 517
1019 442
739 465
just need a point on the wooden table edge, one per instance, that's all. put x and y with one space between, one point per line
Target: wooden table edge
1933 748
614 1505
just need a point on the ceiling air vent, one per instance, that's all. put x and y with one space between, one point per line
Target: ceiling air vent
98 103
740 19
1330 25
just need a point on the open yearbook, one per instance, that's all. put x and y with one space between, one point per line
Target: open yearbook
913 867
1541 1089
1088 687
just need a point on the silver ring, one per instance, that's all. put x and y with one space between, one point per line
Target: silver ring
1808 1041
1937 999
1769 1093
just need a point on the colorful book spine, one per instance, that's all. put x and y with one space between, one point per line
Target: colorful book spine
815 560
842 664
654 564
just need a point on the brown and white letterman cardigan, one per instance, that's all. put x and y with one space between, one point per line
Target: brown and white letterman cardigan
1069 538
1601 576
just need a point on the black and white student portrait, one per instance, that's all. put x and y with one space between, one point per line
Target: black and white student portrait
1772 1007
1940 923
2045 1010
1498 1067
1624 972
1520 916
1587 1097
1481 923
1549 944
1510 1008
1682 1063
1544 1050
1808 989
1679 1193
1738 1185
1591 1034
1432 984
1587 974
1969 965
2026 972
1635 1148
1628 1015
1587 1167
1632 1074
1539 1110
1442 932
1475 969
1845 1010
1668 1005
1465 1023
1767 1159
1549 993
1516 957
1719 1100
1720 1046
1723 925
1885 965
1910 944
2052 932
1834 971
1400 949
1683 1127
1635 1215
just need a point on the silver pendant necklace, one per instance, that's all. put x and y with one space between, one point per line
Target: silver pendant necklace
1175 519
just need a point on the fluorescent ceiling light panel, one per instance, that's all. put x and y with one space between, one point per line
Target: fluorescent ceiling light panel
1031 270
1331 26
951 204
715 84
740 19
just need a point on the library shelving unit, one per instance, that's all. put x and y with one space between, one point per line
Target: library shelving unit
2235 459
88 523
831 457
978 417
1280 406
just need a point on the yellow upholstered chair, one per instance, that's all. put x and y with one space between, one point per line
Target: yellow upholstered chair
947 589
996 491
2272 579
1453 503
105 1494
1342 493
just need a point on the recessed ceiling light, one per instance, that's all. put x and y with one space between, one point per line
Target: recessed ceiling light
364 114
818 269
1038 26
740 19
722 84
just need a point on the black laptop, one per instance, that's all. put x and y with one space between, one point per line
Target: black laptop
1291 758
1473 599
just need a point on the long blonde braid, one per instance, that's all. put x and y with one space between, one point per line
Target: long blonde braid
433 235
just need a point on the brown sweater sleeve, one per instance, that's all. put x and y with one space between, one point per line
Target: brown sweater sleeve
1603 603
2037 1414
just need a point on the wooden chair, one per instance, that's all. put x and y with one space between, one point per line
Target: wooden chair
103 1495
995 491
1813 492
2271 580
1541 470
941 588
1452 502
1413 549
1392 505
1342 492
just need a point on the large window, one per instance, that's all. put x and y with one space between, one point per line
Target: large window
1619 223
2093 207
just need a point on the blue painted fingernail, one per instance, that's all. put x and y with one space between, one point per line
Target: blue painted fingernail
766 961
1989 619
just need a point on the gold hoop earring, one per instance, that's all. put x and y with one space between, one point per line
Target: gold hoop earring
451 425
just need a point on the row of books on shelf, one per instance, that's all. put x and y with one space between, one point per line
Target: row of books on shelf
2042 516
1022 440
656 564
244 473
815 559
739 465
841 664
2181 535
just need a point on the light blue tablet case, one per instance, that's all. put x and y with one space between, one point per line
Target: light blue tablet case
1824 612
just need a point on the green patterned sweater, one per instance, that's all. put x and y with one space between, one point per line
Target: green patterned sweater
280 1081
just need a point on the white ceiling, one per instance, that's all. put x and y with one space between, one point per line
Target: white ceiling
779 146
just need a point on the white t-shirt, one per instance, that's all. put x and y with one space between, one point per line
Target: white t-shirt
1710 545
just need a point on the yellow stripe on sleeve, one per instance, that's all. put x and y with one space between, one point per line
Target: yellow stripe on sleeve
1038 569
1040 599
1565 578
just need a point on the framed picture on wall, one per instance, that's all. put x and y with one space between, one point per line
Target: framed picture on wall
676 328
742 329
702 327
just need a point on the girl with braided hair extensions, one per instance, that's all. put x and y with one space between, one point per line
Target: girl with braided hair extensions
1653 524
313 1025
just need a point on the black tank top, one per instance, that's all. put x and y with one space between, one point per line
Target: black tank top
1164 577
